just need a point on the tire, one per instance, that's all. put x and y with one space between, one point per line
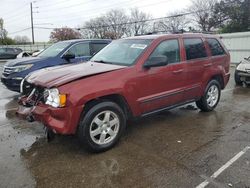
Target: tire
96 132
213 91
237 78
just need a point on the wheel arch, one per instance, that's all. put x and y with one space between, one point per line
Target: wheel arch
116 98
219 78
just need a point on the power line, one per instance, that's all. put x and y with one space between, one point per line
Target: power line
62 2
134 22
75 5
94 9
20 30
106 8
16 13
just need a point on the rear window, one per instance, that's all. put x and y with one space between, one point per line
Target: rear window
216 48
195 48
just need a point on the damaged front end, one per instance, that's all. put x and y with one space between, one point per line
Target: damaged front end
49 107
31 96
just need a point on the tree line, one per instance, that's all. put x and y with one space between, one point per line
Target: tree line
215 16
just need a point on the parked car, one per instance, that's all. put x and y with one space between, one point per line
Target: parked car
37 52
242 72
9 53
61 53
23 54
133 77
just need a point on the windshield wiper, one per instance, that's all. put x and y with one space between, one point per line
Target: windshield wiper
102 61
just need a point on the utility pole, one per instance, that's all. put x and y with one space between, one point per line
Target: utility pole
32 25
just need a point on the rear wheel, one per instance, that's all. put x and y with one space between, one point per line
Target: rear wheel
237 78
211 97
102 126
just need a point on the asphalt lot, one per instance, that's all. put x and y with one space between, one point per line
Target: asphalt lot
179 148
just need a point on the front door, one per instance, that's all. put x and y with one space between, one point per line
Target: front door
163 86
81 52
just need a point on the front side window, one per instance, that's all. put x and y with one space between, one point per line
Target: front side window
216 48
168 48
122 52
2 50
195 48
80 50
10 50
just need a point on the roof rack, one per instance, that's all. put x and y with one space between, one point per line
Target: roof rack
176 32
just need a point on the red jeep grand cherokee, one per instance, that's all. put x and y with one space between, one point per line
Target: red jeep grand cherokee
131 77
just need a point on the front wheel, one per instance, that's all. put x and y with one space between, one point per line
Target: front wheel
237 78
101 127
209 101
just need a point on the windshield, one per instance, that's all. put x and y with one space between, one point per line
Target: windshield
122 52
54 50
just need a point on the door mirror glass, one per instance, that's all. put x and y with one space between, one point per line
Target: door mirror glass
156 61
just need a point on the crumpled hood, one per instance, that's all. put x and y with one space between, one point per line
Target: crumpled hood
59 75
24 61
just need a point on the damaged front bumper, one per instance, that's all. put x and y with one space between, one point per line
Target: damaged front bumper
60 120
244 76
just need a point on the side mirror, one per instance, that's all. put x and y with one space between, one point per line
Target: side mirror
156 61
247 58
69 56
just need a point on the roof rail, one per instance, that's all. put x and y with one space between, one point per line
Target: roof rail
181 31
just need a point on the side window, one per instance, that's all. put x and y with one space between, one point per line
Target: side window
195 48
168 48
10 50
95 47
79 50
216 48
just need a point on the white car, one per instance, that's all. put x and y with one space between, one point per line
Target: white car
242 72
36 53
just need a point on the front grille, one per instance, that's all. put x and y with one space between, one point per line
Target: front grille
8 70
248 70
33 93
27 88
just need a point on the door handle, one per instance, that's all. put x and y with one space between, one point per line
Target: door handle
208 65
178 71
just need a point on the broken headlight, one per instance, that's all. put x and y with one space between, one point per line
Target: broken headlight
53 98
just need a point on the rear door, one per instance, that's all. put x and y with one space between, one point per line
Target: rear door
197 61
163 86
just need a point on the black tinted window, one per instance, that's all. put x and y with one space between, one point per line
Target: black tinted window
194 48
10 50
168 48
97 47
216 48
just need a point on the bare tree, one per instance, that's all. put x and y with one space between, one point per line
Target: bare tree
112 25
176 21
116 21
95 28
21 39
3 32
139 25
204 14
64 33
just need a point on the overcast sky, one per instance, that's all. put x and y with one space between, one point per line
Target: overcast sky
73 13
